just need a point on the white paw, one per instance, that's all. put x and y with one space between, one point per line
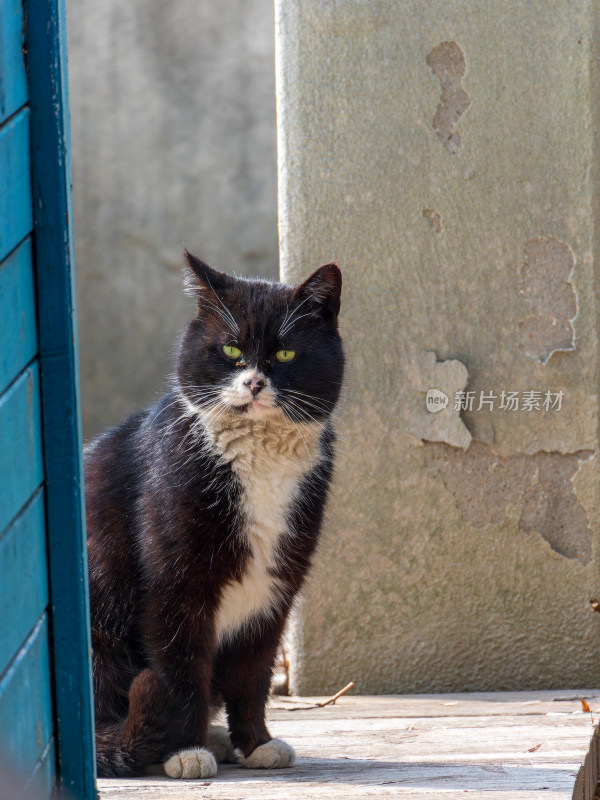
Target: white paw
272 755
197 763
220 745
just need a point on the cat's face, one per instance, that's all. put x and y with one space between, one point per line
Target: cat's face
262 349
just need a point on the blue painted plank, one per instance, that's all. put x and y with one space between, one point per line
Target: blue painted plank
13 80
23 577
18 326
21 465
47 70
15 183
26 702
43 777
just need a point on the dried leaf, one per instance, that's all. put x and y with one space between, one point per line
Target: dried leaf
533 749
585 706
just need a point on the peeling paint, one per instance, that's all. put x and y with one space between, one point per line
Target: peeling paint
536 491
434 218
447 62
545 285
426 374
553 510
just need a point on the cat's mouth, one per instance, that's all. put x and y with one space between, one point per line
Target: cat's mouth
258 407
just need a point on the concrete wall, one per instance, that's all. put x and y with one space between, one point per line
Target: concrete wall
446 155
173 136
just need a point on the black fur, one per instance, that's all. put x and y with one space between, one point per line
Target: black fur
166 528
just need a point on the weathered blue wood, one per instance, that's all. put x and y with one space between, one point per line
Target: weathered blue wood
18 327
47 73
23 577
26 702
15 183
43 776
21 461
13 81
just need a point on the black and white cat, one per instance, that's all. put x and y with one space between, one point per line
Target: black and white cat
203 514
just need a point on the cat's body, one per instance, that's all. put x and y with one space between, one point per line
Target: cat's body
203 515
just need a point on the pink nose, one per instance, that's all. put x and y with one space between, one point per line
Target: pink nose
255 384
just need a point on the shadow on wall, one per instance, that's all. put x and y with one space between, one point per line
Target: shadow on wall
173 140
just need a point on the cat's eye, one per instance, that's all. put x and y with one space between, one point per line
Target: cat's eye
285 355
231 352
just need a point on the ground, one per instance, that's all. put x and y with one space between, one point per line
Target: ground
497 746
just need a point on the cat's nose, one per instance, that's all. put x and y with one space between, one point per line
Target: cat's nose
255 384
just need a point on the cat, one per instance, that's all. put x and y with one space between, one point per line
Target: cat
203 515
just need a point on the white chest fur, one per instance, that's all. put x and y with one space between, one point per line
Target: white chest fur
270 458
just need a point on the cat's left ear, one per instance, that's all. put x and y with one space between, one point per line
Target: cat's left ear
201 279
323 288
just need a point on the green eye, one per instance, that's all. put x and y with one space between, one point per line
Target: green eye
285 355
231 352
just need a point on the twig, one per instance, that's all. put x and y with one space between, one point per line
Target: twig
335 696
324 703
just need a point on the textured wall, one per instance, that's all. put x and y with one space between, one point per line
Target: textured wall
445 155
173 132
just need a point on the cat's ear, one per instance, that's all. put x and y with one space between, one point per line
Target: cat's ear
201 279
323 289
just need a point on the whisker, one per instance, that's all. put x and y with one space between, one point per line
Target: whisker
297 426
294 312
306 406
156 416
301 411
293 322
233 328
227 311
316 402
287 313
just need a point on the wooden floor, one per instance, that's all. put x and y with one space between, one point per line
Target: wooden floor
500 746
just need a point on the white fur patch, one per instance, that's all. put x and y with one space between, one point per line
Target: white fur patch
275 754
238 393
196 763
270 456
219 744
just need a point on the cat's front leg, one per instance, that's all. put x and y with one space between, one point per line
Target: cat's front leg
188 754
242 675
182 651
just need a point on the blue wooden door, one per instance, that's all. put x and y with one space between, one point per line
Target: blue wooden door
46 725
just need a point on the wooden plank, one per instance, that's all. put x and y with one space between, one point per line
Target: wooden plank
587 784
578 789
351 751
15 183
542 702
593 760
13 80
20 444
42 780
18 326
587 778
47 69
23 577
26 702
